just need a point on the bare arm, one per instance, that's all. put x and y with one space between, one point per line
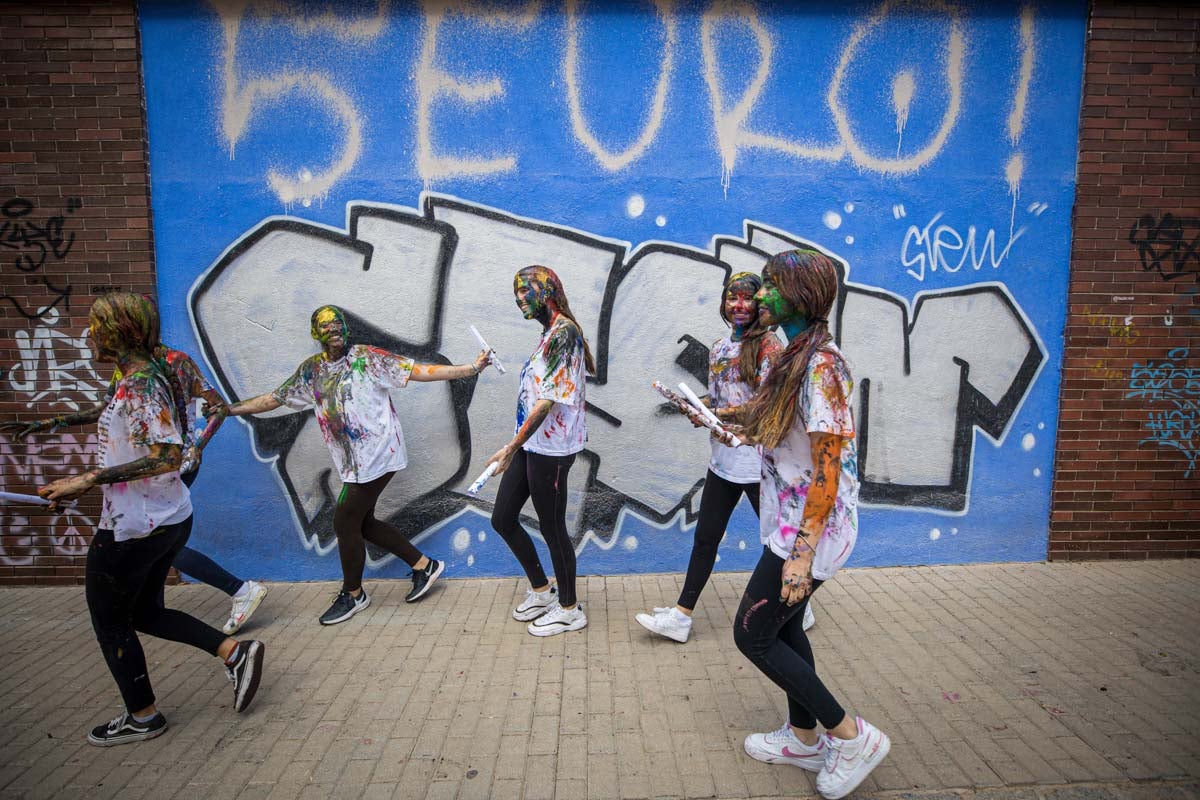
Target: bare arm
215 411
504 456
255 405
162 458
51 424
818 505
426 373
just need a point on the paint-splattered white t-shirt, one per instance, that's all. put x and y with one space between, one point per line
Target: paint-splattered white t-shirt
353 408
555 372
726 389
140 414
787 470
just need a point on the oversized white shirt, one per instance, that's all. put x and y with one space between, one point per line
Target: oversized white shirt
726 388
556 371
140 414
353 408
787 470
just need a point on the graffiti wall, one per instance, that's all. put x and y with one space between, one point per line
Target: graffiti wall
403 161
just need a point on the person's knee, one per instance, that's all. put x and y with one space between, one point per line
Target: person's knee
346 523
746 633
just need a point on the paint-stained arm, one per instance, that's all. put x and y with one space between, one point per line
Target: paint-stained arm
818 505
504 456
449 372
51 424
163 457
255 405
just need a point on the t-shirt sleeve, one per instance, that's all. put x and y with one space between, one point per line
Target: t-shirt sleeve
388 369
297 391
151 415
562 367
193 381
828 397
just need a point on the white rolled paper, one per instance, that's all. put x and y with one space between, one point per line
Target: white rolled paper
495 359
30 499
703 409
474 488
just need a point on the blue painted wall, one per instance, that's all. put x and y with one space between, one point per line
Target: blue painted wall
404 162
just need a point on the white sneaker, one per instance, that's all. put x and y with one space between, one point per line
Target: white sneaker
558 620
244 606
535 604
667 622
849 761
782 747
809 619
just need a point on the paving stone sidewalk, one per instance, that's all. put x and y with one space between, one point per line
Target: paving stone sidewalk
1024 681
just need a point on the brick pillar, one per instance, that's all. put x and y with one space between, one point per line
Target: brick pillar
1127 480
76 223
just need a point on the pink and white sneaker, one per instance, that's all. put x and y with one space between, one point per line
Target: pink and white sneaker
849 761
782 747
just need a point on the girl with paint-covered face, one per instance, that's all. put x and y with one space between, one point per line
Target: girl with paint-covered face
808 522
145 521
737 364
348 387
551 428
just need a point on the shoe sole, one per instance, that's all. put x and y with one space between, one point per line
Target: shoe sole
255 602
770 758
354 610
557 629
246 692
857 779
129 739
809 623
530 614
648 626
437 573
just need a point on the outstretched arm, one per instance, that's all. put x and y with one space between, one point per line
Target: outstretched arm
51 424
162 458
255 405
449 372
818 505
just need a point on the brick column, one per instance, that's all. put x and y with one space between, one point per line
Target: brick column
1127 483
76 223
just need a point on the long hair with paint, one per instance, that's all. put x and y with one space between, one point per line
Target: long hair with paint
749 359
556 298
808 281
133 321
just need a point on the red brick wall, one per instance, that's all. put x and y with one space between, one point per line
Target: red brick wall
1129 424
73 182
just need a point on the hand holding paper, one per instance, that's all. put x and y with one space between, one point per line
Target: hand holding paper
495 359
698 411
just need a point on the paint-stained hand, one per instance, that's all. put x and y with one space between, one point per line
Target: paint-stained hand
191 460
23 429
797 578
65 489
483 360
502 458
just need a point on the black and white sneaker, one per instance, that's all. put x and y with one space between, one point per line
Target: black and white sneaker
125 729
245 672
345 606
535 604
423 579
558 620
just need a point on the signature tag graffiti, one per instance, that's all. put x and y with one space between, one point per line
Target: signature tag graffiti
1174 386
1168 245
966 356
27 245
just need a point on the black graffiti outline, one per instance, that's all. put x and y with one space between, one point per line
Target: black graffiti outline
1147 232
62 295
602 504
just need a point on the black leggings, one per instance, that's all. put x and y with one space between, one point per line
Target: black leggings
123 582
201 567
355 524
544 478
717 502
771 634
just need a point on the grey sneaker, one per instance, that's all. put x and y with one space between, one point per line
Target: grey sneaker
345 606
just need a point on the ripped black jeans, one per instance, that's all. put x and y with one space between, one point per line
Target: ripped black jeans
771 634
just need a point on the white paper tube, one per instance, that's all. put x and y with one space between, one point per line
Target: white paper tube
495 359
474 488
703 409
30 499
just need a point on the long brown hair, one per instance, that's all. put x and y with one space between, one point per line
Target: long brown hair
556 298
749 358
808 280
